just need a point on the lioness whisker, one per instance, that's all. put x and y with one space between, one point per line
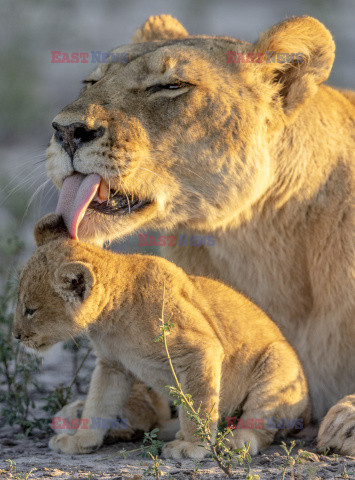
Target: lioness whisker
52 190
27 178
27 185
124 190
38 189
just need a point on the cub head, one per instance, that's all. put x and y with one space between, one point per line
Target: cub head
174 131
55 289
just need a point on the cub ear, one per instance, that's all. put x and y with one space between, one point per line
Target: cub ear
48 228
159 27
299 56
74 281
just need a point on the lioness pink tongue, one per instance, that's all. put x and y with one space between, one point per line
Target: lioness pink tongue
75 196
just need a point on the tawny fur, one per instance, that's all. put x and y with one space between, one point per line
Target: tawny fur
226 352
338 427
259 155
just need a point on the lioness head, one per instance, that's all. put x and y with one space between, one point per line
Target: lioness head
177 135
54 289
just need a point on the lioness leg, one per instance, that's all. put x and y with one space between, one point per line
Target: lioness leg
110 387
278 391
337 430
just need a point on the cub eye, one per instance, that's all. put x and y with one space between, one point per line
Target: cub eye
168 86
29 312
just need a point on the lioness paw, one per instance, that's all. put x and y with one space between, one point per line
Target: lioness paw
73 444
178 449
337 430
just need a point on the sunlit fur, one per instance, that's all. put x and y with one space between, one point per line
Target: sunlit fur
259 155
226 352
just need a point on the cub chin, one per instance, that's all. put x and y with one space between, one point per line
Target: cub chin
226 352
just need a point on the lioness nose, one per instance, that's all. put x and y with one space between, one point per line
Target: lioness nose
73 136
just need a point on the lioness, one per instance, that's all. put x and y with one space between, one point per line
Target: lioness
226 352
260 155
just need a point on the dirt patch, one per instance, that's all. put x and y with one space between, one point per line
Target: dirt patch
34 460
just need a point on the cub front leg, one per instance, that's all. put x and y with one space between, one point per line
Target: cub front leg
109 389
201 379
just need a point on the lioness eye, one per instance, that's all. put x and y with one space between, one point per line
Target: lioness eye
168 86
89 82
29 312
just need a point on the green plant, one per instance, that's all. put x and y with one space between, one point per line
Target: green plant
345 473
12 466
26 476
152 450
197 466
13 471
325 451
290 461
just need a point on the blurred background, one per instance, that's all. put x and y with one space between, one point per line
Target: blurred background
33 90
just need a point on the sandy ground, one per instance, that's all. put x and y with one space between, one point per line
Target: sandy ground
34 460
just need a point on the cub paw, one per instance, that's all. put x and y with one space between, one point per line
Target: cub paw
68 413
178 449
179 435
337 430
242 437
73 444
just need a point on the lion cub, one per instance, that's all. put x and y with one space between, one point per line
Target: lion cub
226 352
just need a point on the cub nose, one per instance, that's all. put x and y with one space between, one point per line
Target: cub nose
73 136
17 336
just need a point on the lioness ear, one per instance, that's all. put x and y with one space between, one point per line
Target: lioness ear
299 56
159 27
49 228
74 281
